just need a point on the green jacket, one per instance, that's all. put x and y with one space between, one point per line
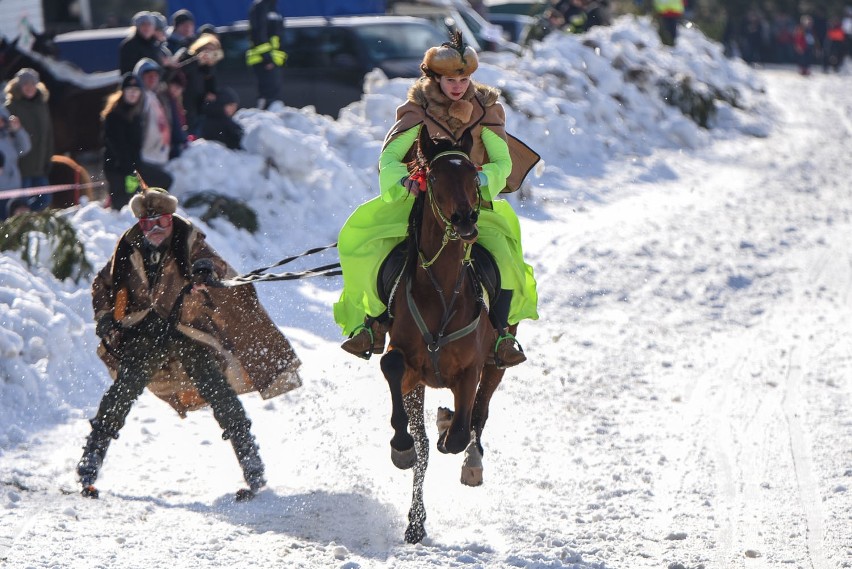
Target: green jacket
35 119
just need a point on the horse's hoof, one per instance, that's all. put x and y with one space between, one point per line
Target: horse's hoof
403 459
414 533
471 476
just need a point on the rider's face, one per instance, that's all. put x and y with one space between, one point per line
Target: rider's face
454 87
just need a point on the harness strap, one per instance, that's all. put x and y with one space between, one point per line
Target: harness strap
433 344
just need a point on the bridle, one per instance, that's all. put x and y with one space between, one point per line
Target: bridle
434 342
450 233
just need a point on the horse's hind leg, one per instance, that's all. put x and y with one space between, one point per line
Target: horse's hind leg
416 530
403 454
471 473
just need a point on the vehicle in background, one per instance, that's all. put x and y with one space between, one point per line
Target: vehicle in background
91 50
327 58
516 27
524 7
480 34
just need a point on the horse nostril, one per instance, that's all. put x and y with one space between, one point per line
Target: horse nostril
456 218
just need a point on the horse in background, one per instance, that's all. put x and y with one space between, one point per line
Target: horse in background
440 334
76 98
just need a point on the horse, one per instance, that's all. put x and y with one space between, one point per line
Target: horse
76 98
440 334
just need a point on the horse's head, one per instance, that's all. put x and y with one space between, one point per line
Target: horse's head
452 181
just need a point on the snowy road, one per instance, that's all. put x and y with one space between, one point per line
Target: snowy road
687 403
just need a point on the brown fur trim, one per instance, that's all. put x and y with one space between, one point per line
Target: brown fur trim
153 201
426 92
461 110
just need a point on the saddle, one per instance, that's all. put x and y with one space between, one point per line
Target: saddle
484 272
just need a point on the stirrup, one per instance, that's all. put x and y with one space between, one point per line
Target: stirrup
365 355
501 364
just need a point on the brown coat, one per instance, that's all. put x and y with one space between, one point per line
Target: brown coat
254 354
428 105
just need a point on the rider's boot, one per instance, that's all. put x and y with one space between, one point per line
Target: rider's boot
507 351
94 452
369 338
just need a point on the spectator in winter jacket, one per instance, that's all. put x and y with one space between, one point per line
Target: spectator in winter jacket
177 114
198 63
14 143
834 47
265 56
122 128
218 123
156 128
183 31
26 98
143 43
805 44
161 328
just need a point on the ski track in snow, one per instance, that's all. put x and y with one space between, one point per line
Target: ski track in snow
686 403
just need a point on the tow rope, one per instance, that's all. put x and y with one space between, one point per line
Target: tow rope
260 275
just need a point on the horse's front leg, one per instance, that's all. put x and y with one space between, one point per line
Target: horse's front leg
403 454
471 474
457 436
416 530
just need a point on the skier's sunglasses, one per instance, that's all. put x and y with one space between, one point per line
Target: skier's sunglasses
148 223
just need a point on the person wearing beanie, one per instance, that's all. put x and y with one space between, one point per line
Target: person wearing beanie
27 98
156 123
14 142
121 121
183 31
450 104
167 323
218 123
141 43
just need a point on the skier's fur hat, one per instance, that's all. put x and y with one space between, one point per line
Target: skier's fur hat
451 59
153 201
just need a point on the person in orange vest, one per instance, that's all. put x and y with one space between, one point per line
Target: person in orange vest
668 14
834 48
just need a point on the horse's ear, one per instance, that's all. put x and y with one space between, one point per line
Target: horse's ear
466 142
427 146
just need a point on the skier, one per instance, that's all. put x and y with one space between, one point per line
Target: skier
165 325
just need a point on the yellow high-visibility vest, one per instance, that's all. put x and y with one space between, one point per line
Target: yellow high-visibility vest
254 55
668 6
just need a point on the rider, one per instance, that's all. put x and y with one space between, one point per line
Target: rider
449 103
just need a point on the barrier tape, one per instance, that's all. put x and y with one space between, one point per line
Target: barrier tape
21 192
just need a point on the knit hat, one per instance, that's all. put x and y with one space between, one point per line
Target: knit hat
143 17
129 80
27 75
226 96
160 21
153 201
181 16
451 59
145 65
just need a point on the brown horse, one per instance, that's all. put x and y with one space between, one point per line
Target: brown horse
440 334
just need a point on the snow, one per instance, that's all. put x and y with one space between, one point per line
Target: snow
686 400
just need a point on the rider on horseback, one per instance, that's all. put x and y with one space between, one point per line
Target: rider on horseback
449 104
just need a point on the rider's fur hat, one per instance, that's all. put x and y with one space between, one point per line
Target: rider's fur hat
153 201
451 59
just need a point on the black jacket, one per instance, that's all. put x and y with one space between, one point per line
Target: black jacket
134 48
216 125
122 139
264 23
